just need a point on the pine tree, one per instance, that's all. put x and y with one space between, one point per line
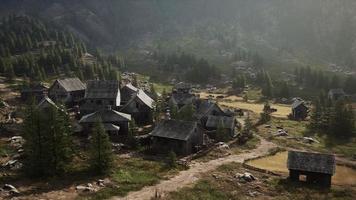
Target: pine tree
221 133
186 113
101 156
172 159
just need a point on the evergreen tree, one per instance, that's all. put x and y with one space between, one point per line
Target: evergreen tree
221 134
186 113
101 156
267 88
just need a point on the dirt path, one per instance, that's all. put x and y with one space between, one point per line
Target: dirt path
190 176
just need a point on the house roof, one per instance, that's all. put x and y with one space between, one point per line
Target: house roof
297 103
182 98
174 129
129 86
106 115
311 162
71 84
46 102
205 106
147 100
100 89
216 121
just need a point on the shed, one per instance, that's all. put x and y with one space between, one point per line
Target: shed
299 110
182 137
69 91
318 168
100 94
140 106
115 123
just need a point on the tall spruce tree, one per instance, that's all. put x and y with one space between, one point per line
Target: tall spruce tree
101 156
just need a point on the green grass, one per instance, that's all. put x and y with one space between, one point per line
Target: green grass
132 175
254 94
203 190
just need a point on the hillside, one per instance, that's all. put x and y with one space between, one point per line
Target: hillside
296 31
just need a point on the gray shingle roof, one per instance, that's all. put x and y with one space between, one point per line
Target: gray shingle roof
215 121
71 84
106 116
174 129
102 90
147 100
311 162
297 103
205 106
46 102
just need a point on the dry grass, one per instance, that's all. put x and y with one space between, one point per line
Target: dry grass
282 110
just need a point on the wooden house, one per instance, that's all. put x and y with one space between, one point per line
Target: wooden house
100 94
140 106
115 123
318 168
69 91
182 137
212 123
336 94
34 92
299 110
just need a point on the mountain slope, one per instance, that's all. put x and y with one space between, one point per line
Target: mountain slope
322 30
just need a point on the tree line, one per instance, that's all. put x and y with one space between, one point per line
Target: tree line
49 149
32 49
334 119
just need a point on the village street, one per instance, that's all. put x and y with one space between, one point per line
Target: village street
190 176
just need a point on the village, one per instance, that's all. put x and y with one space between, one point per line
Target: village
195 130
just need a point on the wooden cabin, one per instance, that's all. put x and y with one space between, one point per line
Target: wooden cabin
100 94
299 110
182 137
116 124
318 168
69 91
211 123
140 106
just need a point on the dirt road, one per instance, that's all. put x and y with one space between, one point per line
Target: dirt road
190 176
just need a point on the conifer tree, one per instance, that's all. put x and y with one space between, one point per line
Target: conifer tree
101 156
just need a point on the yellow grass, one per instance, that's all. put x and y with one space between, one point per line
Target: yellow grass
278 163
282 110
